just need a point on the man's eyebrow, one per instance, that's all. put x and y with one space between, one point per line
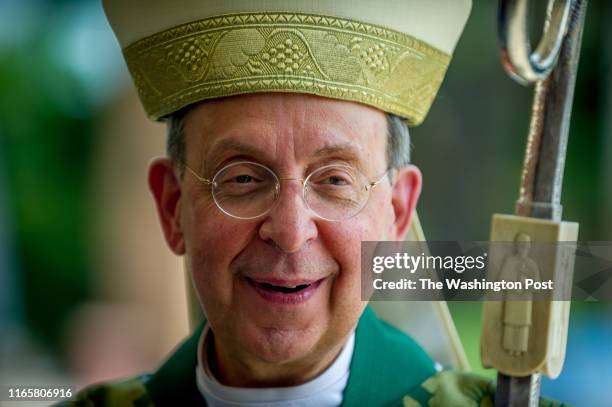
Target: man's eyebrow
344 151
233 145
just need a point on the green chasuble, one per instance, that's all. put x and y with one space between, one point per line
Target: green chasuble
387 369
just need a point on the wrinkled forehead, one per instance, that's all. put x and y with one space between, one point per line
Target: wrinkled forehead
284 129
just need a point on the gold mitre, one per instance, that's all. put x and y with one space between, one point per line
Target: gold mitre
390 54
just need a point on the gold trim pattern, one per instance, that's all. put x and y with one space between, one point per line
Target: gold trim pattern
286 52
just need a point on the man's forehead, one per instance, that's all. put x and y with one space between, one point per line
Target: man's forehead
277 123
299 108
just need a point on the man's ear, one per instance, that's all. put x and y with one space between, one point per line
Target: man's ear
166 191
405 194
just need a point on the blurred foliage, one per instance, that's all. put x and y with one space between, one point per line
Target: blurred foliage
46 134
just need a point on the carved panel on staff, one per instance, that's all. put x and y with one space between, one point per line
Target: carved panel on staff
522 332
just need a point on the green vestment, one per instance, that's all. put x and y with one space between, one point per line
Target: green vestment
387 369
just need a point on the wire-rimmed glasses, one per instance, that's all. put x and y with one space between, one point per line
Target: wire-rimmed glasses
248 190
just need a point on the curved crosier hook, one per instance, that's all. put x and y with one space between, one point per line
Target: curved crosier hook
518 60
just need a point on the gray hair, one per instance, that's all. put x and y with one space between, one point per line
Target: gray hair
398 140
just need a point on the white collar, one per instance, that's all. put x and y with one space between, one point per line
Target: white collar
324 390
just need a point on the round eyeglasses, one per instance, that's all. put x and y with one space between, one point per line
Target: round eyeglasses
248 190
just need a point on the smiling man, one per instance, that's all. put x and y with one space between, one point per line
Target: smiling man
297 183
287 147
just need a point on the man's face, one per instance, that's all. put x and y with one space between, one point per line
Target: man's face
232 261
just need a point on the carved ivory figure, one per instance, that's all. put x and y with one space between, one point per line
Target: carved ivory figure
517 308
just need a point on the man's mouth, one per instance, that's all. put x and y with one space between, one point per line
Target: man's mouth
285 292
281 289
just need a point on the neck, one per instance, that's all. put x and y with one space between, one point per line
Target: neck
232 370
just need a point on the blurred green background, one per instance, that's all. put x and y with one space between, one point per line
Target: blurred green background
61 72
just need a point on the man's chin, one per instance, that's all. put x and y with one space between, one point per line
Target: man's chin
282 346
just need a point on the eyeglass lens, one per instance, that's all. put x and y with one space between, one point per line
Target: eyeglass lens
247 190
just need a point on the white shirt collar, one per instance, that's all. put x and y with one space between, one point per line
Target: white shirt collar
324 390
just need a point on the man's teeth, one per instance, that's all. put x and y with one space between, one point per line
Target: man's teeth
287 289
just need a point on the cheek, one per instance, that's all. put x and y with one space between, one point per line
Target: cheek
212 242
345 240
344 243
372 224
380 216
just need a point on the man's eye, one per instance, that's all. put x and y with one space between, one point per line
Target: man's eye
336 180
242 179
333 177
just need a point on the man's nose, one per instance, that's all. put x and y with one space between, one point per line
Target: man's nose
290 224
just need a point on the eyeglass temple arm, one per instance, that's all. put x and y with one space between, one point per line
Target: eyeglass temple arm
372 184
202 180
